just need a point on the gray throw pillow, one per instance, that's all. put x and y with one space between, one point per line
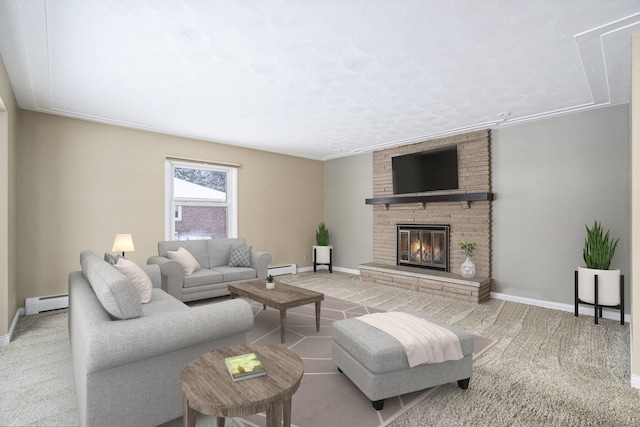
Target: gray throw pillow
240 256
111 259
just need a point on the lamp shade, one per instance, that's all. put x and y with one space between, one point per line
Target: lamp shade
123 243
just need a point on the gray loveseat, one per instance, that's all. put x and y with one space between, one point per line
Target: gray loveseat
127 371
216 273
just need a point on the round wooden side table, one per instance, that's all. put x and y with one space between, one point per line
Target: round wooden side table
207 386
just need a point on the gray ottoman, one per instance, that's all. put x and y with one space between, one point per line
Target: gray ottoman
377 363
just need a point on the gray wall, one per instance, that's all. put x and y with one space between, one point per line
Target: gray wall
550 178
348 181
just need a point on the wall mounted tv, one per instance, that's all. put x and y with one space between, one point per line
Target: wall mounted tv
430 170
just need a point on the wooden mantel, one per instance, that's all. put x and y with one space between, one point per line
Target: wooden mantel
458 197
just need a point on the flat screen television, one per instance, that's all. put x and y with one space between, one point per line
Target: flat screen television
430 170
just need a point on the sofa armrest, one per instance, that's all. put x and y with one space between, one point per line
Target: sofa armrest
172 275
117 343
260 262
153 271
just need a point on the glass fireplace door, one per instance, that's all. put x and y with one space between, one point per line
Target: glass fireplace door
423 246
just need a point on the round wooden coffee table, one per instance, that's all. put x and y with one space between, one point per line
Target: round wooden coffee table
207 386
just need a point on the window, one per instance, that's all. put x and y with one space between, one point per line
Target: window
201 201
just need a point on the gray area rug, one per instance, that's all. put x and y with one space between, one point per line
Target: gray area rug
548 368
325 397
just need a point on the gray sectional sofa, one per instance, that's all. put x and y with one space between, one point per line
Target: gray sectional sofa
215 274
127 371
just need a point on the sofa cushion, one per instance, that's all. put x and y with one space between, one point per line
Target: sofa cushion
183 257
220 250
162 303
118 296
231 274
203 277
137 276
240 256
197 248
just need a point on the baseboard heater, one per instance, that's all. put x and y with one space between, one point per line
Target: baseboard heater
39 304
280 270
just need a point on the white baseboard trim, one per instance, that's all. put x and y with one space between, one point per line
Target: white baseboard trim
6 339
326 267
584 310
347 270
635 381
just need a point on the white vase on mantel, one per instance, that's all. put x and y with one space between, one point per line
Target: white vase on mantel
468 269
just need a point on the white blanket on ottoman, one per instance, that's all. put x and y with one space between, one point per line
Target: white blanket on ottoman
424 342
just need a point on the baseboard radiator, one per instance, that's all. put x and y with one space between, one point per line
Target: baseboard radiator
280 270
40 304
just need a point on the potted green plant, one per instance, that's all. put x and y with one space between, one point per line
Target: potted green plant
322 251
599 249
270 283
322 235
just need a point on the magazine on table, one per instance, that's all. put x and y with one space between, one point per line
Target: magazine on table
244 366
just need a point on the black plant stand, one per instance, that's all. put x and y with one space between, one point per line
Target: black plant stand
598 307
315 257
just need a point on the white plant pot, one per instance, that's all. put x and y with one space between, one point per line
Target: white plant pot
271 285
322 254
608 286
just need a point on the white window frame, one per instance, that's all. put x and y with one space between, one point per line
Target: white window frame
232 195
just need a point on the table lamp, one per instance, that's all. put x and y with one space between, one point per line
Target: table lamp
123 243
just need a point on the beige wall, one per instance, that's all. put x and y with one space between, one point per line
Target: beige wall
8 196
83 182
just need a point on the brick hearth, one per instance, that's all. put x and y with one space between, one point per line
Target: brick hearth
477 289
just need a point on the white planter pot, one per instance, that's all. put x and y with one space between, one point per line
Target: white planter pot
322 254
608 286
271 285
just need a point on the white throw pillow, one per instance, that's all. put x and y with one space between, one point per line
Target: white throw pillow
183 257
137 277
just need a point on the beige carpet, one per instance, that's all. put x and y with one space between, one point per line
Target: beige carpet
36 375
548 368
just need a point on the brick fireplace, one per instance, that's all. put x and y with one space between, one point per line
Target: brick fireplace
466 211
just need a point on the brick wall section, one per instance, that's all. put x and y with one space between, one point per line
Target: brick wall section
470 221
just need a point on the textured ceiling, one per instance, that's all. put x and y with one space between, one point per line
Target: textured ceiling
317 79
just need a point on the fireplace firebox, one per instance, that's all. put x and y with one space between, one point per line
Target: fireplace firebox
423 245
